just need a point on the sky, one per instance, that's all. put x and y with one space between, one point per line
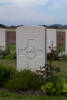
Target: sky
33 12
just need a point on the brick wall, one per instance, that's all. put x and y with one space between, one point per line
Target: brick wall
11 35
61 37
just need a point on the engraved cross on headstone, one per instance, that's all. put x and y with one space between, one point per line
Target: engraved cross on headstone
30 51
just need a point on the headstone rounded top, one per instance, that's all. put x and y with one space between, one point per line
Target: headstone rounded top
21 27
51 29
2 29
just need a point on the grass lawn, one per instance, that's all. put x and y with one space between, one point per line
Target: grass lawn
9 62
12 47
63 66
12 63
14 96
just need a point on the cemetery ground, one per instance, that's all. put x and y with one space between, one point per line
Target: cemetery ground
14 96
9 61
5 95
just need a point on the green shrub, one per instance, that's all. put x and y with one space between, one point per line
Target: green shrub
14 55
52 89
49 88
59 87
53 56
53 84
3 54
64 89
9 56
51 72
25 80
43 88
5 74
48 56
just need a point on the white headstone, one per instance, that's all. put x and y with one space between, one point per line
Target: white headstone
30 46
2 39
51 39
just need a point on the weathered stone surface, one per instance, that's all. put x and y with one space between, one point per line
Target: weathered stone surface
2 39
31 48
51 39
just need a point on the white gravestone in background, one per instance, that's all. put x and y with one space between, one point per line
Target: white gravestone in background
30 46
65 41
2 39
51 39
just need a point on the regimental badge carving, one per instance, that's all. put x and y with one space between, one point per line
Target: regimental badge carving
31 52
